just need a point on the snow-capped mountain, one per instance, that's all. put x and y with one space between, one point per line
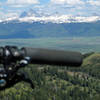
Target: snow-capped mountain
30 13
55 17
60 19
34 24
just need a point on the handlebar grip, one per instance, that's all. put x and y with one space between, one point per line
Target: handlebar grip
53 57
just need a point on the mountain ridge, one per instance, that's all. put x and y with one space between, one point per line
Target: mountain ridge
31 26
53 19
38 30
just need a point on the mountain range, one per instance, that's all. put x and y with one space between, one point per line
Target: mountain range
35 25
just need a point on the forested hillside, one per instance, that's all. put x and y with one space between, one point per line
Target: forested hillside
59 83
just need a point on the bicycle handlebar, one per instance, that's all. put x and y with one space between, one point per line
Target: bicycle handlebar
12 59
53 57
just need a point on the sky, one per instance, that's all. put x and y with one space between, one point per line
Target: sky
9 8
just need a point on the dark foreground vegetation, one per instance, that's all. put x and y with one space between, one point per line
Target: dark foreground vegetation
59 83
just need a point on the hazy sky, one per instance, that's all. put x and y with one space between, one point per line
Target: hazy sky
73 7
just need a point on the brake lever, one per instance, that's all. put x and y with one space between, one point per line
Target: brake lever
10 77
11 64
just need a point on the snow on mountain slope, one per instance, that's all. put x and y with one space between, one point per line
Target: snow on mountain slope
54 19
60 19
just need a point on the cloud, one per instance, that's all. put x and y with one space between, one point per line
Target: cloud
3 15
94 2
17 5
20 2
60 7
69 2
